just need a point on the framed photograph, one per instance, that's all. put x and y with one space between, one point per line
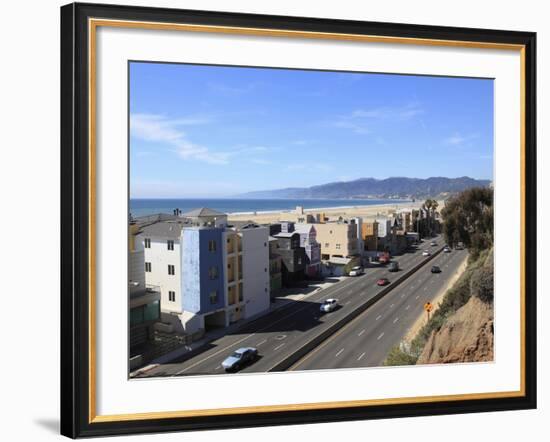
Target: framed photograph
273 220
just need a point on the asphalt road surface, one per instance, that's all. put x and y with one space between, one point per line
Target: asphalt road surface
366 341
284 331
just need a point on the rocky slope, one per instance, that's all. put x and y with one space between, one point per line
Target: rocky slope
466 336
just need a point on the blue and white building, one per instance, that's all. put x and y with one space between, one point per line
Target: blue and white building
210 273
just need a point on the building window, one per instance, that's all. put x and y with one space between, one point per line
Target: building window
147 243
214 297
326 244
337 246
265 269
213 272
170 244
212 245
172 296
265 244
147 266
171 269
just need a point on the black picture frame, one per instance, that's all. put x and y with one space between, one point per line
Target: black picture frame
75 220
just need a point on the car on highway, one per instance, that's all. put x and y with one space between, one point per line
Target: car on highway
426 253
436 269
433 243
239 358
329 305
460 246
383 281
356 271
394 266
447 249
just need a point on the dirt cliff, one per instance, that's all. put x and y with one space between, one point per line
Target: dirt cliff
466 336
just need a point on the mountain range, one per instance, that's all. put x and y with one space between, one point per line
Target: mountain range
365 188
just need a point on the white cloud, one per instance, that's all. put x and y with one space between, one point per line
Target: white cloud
158 128
458 139
361 121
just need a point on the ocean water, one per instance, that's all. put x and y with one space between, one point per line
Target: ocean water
141 207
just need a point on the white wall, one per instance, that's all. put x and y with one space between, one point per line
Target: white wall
159 256
255 277
30 173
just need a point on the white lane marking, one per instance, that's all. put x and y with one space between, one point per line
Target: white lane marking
260 343
378 317
218 367
279 346
339 353
417 297
361 332
403 295
380 336
395 320
406 308
391 306
347 303
361 357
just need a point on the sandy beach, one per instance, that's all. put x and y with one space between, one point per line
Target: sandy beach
365 212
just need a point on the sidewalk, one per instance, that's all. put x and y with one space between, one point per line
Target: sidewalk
285 298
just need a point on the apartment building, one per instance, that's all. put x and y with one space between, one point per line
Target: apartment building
293 255
369 234
210 273
338 239
312 248
275 266
144 300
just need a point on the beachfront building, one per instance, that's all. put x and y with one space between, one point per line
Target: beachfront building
275 267
144 300
369 235
338 239
293 255
210 273
312 248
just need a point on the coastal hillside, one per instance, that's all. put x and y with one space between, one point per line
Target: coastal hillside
466 336
461 328
364 188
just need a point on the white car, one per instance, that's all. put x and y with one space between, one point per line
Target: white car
356 271
329 305
446 250
426 253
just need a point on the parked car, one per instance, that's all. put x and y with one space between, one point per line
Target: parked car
436 269
460 246
356 271
383 281
394 266
447 249
329 305
426 253
240 358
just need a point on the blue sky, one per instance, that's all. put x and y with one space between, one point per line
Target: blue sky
210 131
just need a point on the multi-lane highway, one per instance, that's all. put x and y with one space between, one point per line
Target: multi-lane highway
366 340
286 331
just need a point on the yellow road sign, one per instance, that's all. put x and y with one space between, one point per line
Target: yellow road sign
428 307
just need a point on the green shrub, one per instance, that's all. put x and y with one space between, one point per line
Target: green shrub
396 357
